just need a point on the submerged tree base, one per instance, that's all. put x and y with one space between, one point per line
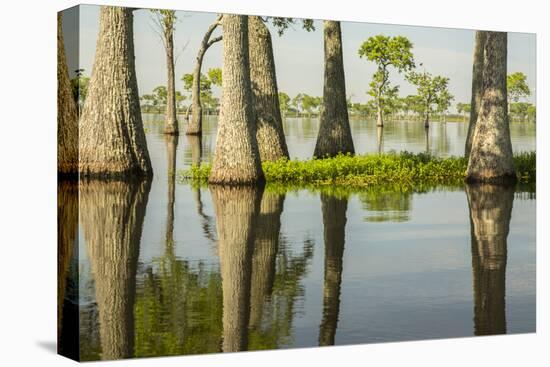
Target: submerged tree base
404 169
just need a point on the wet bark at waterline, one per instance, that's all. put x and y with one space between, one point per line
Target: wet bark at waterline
237 159
112 140
195 125
334 221
477 87
67 112
334 131
236 211
171 122
266 245
265 94
490 214
112 215
491 158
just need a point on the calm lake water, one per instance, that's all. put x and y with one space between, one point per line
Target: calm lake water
162 268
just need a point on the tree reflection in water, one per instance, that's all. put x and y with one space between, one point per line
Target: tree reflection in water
236 211
334 222
490 213
112 216
67 273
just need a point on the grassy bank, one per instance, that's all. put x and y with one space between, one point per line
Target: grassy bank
402 169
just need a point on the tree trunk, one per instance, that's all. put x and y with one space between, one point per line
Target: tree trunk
67 112
477 87
112 139
236 211
334 222
490 213
171 124
265 95
266 245
491 158
379 113
195 125
427 121
237 159
112 215
334 130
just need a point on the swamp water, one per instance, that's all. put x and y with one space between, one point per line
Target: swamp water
163 268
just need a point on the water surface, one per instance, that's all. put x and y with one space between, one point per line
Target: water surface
160 268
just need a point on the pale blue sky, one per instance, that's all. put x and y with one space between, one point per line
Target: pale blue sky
299 54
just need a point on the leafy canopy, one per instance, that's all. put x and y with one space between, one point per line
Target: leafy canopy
517 86
432 91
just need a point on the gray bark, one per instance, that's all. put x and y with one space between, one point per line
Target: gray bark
237 159
195 125
477 87
491 158
334 131
236 211
112 216
112 140
269 123
67 112
171 123
334 222
490 214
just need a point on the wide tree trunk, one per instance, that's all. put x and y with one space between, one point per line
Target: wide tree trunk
491 158
237 159
265 95
171 123
112 215
490 213
266 245
112 140
195 125
67 112
334 131
334 222
477 87
236 211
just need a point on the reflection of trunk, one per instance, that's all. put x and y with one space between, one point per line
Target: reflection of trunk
112 140
477 87
236 214
490 213
67 226
67 112
380 138
195 125
112 216
266 245
334 131
196 149
171 126
270 134
171 149
427 132
491 158
196 158
334 222
237 159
